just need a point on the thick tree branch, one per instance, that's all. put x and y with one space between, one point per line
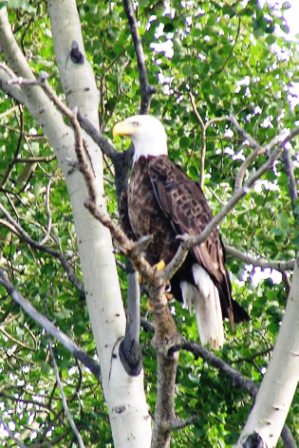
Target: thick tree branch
49 326
146 89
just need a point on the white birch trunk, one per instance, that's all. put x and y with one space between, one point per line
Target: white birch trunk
129 417
278 387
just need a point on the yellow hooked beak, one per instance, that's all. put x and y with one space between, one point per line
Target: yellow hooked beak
123 128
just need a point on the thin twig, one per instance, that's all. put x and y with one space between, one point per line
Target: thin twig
291 178
11 434
48 212
243 133
203 142
260 262
20 232
34 159
64 400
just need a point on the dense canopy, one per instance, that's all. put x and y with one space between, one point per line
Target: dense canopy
205 61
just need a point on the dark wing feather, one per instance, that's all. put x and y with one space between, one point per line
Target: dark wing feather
183 203
185 206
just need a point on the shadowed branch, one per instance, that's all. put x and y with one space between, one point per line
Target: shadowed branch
146 89
50 328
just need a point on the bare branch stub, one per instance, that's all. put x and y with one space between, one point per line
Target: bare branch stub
146 89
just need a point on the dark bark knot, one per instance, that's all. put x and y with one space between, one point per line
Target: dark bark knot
75 53
119 409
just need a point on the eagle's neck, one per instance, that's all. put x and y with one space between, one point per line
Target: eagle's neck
149 147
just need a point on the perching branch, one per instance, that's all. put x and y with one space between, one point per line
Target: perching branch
146 89
164 411
49 327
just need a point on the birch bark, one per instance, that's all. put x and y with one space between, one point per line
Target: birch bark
276 393
129 417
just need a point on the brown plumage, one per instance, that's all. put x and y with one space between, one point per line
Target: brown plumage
164 202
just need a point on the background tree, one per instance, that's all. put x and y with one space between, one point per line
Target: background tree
210 64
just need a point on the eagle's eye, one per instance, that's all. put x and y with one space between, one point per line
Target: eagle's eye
135 124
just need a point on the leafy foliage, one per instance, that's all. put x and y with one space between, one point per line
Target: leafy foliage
235 59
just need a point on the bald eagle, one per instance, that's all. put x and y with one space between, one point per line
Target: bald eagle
163 202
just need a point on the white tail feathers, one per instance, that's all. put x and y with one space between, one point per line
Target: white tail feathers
203 298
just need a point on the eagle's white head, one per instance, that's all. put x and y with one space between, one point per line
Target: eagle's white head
147 134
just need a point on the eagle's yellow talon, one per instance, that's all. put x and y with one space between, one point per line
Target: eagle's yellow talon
159 266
